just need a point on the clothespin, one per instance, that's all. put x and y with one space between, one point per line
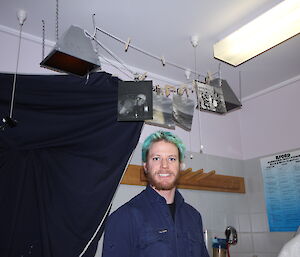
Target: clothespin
179 91
157 89
169 89
182 89
163 61
195 83
127 44
186 91
140 77
208 78
143 76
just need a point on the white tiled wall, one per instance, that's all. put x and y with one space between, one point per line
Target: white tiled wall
265 243
259 222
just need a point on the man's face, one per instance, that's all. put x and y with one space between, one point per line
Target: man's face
162 166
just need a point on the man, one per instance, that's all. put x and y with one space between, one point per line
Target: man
157 222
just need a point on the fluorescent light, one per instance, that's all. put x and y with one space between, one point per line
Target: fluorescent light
268 30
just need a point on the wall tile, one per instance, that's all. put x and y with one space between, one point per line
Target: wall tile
264 255
232 254
270 242
219 221
244 223
244 245
259 222
238 168
256 203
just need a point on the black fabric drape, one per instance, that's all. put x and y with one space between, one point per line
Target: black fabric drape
60 166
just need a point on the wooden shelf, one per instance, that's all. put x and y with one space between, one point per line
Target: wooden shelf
197 180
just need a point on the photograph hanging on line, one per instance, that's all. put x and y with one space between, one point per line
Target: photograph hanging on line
210 98
183 111
135 101
162 112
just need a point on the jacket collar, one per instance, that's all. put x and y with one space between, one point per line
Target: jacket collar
153 196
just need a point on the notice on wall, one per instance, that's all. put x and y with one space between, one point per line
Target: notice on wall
281 176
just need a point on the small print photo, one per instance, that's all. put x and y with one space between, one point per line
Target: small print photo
210 98
162 112
135 101
183 111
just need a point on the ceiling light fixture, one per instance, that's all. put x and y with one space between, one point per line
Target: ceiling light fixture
73 53
268 30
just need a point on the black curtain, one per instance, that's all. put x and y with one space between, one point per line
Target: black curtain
61 164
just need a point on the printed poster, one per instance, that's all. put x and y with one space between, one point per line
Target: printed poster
281 177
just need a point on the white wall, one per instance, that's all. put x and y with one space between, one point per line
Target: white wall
270 122
30 52
233 144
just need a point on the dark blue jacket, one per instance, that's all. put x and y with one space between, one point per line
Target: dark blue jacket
144 227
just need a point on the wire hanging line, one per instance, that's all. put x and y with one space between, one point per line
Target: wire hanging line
127 45
219 75
15 75
108 51
195 60
198 103
240 86
115 66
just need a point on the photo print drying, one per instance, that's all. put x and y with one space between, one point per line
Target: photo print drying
210 98
135 101
162 112
183 111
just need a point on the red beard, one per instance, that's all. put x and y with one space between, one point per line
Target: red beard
160 185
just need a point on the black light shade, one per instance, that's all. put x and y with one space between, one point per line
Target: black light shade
73 53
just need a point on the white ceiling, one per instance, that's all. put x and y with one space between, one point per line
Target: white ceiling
164 28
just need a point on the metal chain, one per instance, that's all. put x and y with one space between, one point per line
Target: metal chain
56 20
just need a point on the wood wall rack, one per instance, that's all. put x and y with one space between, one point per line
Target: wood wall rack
197 180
